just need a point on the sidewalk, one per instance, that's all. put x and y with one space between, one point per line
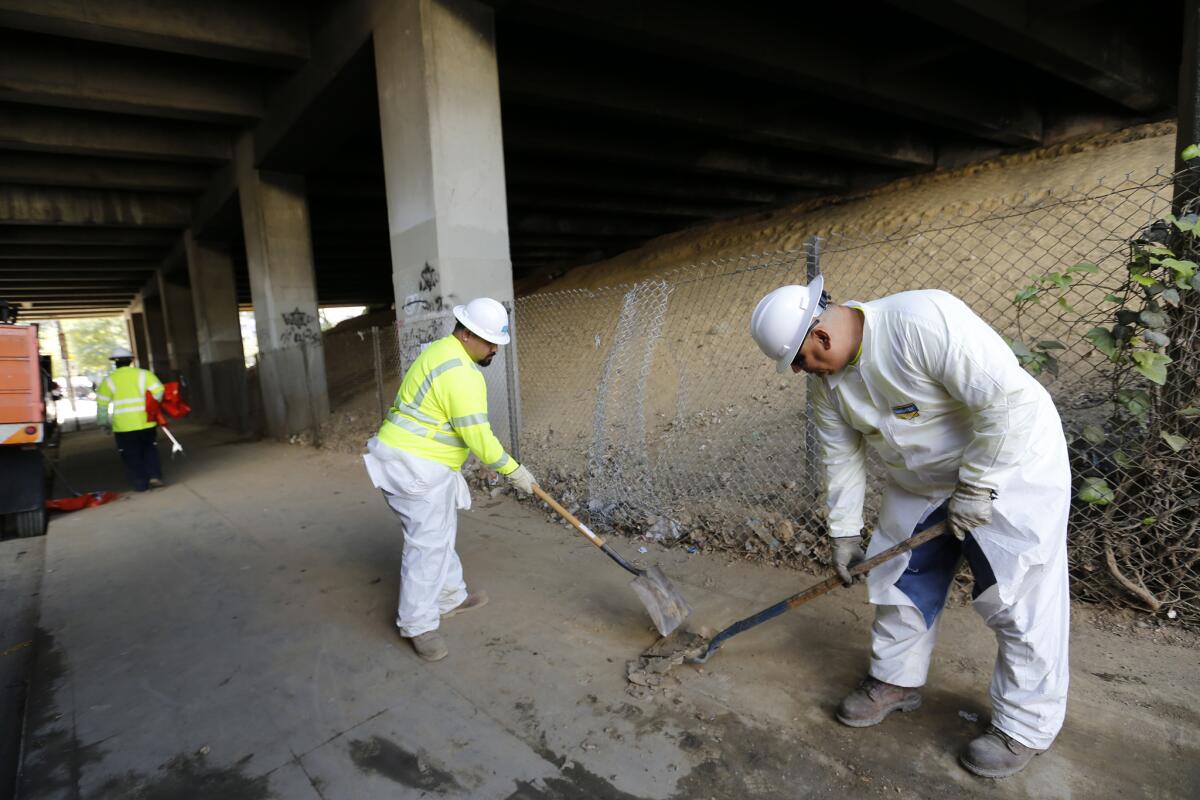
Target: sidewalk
230 636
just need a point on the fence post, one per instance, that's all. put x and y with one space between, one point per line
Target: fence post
378 370
812 268
513 379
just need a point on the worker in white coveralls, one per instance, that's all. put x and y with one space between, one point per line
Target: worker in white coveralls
440 417
966 436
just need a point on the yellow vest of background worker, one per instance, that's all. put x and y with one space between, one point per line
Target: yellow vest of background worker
125 388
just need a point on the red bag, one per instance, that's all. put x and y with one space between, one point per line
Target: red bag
83 501
171 403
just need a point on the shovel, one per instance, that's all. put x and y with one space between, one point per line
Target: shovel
695 649
665 604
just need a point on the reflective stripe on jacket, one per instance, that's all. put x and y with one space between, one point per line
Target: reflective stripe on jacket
440 411
125 388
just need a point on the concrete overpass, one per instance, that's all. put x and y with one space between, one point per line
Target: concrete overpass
172 160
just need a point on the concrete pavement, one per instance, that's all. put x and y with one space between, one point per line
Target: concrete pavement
230 636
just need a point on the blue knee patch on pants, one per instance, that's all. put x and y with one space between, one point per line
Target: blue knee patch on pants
931 568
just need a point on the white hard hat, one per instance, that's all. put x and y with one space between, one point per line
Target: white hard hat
485 318
782 318
120 352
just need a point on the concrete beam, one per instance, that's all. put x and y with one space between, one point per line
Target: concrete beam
541 137
75 252
43 313
72 267
1074 48
537 173
57 72
33 206
558 85
92 237
272 34
590 226
100 173
339 33
108 135
821 60
521 202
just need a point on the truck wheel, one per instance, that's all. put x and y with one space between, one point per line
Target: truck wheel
30 523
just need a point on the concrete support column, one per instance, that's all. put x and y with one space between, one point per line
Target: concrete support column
183 347
283 290
443 162
156 336
443 158
218 332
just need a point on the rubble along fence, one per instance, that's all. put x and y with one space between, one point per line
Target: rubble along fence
648 408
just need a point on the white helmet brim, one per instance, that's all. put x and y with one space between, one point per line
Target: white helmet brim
784 364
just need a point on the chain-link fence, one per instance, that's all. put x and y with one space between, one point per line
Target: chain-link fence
647 407
364 367
650 405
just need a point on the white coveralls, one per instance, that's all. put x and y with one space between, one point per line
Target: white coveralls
941 398
426 496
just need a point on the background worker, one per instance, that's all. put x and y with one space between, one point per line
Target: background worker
966 435
439 418
137 437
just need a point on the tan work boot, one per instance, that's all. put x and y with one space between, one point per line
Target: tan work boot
156 483
995 754
474 600
430 646
873 700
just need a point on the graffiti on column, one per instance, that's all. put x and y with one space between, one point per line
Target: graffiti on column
299 327
416 303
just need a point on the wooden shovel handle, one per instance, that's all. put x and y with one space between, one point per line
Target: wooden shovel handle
812 592
569 517
863 567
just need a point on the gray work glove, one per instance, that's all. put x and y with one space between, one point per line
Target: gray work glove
522 479
970 508
847 551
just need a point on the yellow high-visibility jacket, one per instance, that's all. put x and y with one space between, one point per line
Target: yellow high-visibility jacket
440 411
125 388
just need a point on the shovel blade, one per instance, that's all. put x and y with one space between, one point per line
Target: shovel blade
666 606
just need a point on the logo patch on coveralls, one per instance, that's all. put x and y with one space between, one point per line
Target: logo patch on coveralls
906 411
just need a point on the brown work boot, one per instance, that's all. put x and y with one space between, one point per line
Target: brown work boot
474 600
430 646
873 700
995 754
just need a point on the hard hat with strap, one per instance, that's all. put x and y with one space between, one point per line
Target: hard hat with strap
120 352
781 321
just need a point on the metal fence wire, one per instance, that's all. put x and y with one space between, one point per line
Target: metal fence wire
693 439
648 409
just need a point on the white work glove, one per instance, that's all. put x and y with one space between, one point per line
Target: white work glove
847 551
522 479
970 508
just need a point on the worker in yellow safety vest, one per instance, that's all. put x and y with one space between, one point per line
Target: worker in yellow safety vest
137 437
438 419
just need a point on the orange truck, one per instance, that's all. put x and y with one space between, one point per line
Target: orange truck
27 424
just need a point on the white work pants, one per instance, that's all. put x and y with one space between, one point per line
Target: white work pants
426 496
1029 683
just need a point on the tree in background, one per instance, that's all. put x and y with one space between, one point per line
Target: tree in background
89 344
